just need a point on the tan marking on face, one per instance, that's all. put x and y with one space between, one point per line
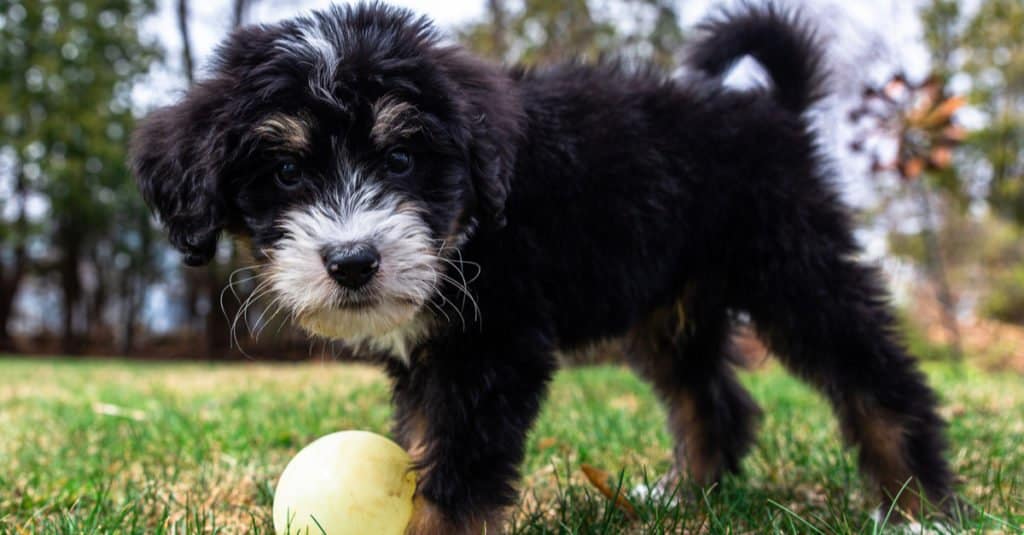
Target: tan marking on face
393 119
289 132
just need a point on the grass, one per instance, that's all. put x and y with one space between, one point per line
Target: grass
112 446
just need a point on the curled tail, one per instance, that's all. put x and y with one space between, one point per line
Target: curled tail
779 39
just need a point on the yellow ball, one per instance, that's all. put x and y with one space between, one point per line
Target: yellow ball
346 483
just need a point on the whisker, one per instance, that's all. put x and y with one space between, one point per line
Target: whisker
260 325
232 283
261 289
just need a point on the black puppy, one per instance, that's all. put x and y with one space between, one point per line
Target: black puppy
468 221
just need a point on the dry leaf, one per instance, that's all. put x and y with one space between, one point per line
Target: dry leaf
599 478
547 442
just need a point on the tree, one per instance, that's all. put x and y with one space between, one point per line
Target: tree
12 270
67 114
984 52
544 31
993 43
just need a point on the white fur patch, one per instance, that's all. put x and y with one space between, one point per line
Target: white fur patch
312 43
403 285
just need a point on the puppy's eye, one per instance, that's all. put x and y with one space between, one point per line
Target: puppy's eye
398 162
288 175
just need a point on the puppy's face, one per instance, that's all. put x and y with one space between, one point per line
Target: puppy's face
351 223
352 148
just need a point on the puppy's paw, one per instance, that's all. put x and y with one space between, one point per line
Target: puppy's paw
663 490
885 522
429 519
942 517
672 490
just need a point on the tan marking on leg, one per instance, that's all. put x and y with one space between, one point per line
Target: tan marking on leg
650 352
882 441
428 519
648 349
412 434
691 451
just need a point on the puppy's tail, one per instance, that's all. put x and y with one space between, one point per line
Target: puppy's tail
779 39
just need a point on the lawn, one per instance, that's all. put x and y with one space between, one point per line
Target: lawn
102 446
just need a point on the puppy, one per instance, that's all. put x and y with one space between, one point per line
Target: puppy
466 222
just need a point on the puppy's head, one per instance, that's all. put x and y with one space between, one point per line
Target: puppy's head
350 147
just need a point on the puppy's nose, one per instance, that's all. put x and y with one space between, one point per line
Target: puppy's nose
352 264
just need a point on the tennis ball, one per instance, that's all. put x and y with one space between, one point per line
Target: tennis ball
346 483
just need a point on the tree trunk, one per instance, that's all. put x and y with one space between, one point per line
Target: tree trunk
499 33
8 292
186 43
95 325
128 312
71 285
238 12
937 270
218 322
136 281
10 279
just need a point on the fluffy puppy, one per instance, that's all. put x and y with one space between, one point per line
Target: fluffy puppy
466 222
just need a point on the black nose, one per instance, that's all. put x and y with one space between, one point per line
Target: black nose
352 265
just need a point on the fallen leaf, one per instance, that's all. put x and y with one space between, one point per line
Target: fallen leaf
599 478
546 442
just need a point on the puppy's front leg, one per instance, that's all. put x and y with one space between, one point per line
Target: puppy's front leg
464 414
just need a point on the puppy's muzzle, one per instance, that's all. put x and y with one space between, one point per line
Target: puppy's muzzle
351 265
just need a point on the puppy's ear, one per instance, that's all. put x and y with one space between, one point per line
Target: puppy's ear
177 158
495 124
179 154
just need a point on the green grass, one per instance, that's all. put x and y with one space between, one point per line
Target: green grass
111 446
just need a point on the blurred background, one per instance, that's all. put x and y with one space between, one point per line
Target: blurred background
926 122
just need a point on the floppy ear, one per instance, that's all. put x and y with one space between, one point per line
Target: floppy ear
495 118
179 153
176 156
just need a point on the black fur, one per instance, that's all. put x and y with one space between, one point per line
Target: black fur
592 197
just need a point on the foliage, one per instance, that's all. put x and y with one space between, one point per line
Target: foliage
540 32
69 69
986 48
67 105
994 46
1005 300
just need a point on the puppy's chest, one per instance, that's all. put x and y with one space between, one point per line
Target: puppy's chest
399 343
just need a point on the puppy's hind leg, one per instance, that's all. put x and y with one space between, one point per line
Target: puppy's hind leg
828 321
683 352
